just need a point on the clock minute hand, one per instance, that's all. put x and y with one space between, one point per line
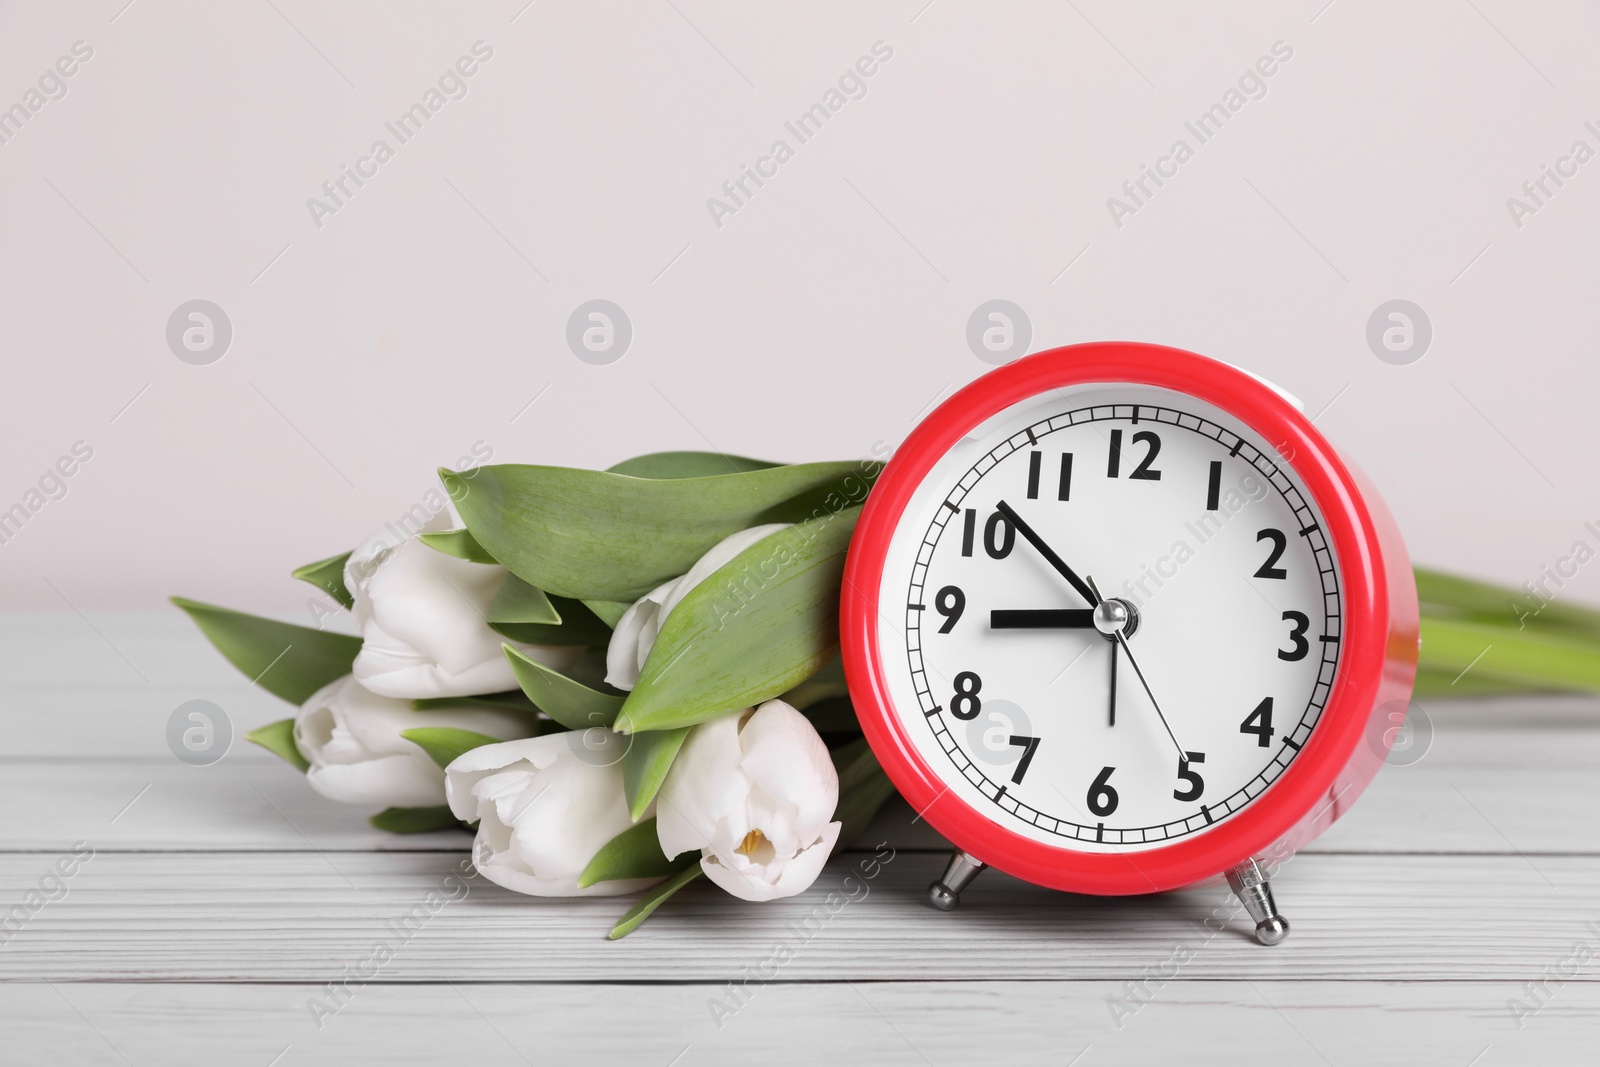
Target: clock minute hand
1084 590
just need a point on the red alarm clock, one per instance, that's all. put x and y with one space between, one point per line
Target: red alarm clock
1118 619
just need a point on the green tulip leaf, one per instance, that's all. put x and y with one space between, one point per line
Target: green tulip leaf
760 625
457 543
634 853
653 899
687 465
278 739
570 703
1444 683
444 743
645 767
1451 596
328 576
520 602
603 536
578 626
416 820
291 662
826 684
610 612
512 700
1528 659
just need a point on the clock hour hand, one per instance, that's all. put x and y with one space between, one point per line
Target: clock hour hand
1084 590
1041 619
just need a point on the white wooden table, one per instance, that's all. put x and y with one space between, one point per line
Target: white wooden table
220 900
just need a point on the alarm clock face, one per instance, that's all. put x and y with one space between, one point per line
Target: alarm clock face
1109 618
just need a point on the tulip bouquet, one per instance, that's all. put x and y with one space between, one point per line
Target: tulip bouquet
624 680
619 680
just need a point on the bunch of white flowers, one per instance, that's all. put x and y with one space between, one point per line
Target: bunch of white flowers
584 678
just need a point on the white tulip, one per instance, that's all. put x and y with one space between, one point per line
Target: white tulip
351 738
640 625
421 615
544 807
755 792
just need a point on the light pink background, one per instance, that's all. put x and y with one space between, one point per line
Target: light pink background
829 312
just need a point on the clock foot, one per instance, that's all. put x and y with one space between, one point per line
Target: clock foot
1249 883
945 894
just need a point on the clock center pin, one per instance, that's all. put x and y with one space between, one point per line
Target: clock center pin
1114 615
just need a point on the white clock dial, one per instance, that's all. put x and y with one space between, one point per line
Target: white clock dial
1171 509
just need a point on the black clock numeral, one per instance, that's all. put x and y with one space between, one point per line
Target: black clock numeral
1102 797
950 602
1259 723
998 536
1029 745
1197 784
965 704
1036 470
1143 472
1297 635
1270 568
1214 486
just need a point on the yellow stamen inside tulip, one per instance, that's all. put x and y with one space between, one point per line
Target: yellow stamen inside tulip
751 842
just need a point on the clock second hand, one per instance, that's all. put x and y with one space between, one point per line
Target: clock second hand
1122 642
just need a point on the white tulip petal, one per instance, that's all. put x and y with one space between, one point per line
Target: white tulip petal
422 614
797 875
544 807
467 770
755 792
634 634
700 795
398 781
351 738
783 752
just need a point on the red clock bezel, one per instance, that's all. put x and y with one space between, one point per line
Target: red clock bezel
1376 668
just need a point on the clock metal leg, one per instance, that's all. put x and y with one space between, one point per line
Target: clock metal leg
1249 883
945 894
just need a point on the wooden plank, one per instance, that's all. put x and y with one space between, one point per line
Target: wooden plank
103 685
892 1023
305 916
1477 792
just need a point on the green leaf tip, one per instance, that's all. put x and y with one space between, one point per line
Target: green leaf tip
645 766
519 602
288 661
278 739
444 743
653 900
634 853
457 543
328 576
